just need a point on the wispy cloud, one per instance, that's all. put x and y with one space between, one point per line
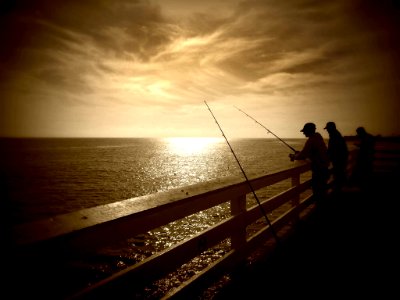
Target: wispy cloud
162 54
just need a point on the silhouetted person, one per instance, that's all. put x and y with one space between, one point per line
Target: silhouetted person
363 167
316 151
338 154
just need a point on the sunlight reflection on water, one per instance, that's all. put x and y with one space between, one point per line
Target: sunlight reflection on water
190 146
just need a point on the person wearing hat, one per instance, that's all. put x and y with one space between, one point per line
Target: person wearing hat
316 152
338 154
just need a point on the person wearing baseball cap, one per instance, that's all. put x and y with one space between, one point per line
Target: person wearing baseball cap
338 154
316 152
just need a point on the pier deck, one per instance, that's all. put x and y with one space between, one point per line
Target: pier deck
347 249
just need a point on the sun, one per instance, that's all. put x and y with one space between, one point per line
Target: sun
190 145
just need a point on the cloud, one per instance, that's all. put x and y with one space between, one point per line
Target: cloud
172 53
74 36
76 42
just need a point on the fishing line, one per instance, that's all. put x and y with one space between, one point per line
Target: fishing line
245 176
269 131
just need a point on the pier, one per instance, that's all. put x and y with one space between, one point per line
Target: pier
347 248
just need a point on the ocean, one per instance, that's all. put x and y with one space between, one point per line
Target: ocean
43 177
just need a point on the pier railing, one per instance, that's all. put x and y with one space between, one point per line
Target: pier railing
239 228
85 231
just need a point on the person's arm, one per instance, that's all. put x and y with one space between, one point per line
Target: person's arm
303 154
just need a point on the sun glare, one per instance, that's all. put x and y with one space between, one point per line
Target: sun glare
190 145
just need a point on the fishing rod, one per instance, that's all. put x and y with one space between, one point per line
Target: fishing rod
269 131
245 176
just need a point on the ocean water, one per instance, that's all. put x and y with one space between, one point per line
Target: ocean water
43 177
46 177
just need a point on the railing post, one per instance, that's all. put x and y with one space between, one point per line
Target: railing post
296 199
238 207
295 181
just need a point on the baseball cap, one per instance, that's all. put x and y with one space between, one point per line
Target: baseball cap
330 125
308 127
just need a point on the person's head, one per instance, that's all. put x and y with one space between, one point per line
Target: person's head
308 129
361 131
330 126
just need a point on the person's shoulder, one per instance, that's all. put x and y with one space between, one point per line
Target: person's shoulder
316 138
317 135
338 133
370 137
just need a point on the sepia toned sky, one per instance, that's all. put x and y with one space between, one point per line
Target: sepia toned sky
144 68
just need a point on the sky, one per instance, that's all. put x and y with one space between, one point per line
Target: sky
141 68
